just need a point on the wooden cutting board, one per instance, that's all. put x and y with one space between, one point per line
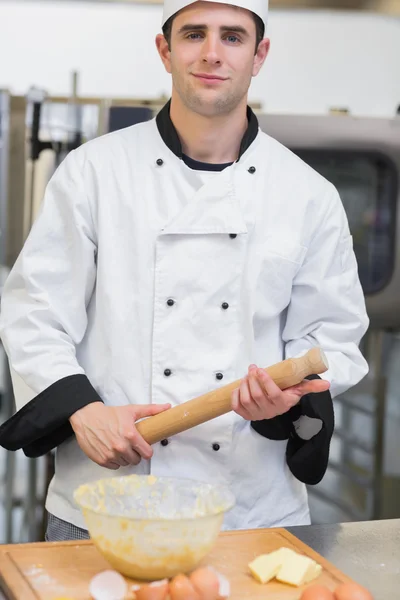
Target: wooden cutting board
47 571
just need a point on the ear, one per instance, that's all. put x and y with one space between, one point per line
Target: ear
163 51
261 55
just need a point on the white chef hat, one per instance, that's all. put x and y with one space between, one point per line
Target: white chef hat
259 7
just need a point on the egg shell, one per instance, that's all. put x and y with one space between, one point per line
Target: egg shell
108 585
158 590
181 588
224 585
317 592
352 591
206 583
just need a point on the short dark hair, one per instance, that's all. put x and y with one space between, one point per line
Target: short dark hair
260 30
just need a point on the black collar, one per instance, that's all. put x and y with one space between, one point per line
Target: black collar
171 139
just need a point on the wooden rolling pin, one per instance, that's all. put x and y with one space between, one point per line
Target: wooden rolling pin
218 402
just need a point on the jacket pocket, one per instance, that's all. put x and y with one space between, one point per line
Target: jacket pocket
286 248
279 261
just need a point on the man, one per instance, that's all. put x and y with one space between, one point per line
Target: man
166 259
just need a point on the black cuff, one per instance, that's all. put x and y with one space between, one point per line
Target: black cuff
308 459
279 428
43 424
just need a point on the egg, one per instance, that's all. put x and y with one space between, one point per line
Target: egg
181 588
317 592
158 590
108 585
352 591
206 583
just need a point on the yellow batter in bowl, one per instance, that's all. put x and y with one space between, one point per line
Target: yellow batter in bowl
152 528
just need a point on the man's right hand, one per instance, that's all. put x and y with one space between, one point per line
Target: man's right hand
108 436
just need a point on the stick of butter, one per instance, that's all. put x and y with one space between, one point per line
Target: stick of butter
316 573
286 566
266 566
297 570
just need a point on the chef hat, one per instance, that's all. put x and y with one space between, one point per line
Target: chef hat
259 7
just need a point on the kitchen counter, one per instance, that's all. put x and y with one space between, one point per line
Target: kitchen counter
368 552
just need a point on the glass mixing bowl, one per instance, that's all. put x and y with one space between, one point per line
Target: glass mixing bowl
152 528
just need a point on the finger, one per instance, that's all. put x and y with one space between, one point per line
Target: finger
148 410
111 465
136 458
124 453
314 386
245 414
296 392
112 460
244 394
139 445
131 456
257 392
243 401
115 460
268 384
98 453
249 407
235 399
279 401
236 406
120 453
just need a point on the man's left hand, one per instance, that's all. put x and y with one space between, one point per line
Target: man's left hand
259 398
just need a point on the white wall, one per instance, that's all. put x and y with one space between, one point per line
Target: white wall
318 60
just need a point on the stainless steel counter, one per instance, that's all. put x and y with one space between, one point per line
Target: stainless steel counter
368 552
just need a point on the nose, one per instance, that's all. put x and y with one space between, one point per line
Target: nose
211 50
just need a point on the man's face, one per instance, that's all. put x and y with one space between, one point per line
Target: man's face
212 56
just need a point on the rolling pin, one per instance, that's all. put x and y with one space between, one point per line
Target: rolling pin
218 402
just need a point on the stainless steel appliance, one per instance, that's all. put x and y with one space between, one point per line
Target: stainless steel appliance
361 157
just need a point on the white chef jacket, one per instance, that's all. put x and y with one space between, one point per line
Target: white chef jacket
120 294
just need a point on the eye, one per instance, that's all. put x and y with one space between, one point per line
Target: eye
193 36
232 39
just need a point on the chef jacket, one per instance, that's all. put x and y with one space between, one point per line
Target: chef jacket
150 278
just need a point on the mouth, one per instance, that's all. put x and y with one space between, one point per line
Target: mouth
209 78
